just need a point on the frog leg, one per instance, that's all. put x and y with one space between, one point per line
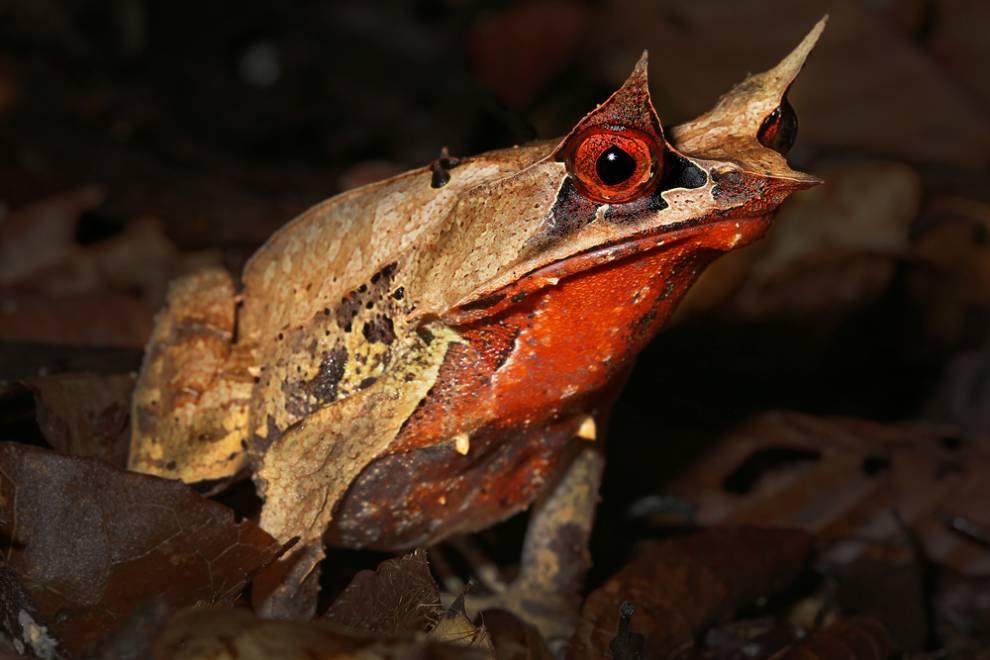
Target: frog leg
190 404
555 556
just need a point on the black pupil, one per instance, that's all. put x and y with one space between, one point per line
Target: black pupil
615 166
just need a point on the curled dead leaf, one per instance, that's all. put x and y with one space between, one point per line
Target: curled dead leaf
41 234
400 596
677 587
842 478
87 544
85 414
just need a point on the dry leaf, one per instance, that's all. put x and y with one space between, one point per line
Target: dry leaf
206 634
41 234
88 544
680 586
85 414
844 479
399 597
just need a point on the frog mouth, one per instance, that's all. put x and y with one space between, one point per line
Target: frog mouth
722 235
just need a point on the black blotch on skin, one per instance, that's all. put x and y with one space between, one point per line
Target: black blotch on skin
683 173
440 169
668 289
324 383
385 274
484 303
670 282
571 211
367 382
678 172
399 293
425 335
272 433
728 185
347 310
643 323
379 329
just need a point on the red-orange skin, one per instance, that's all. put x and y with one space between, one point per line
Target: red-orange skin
520 386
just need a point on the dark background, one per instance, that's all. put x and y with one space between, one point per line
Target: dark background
139 140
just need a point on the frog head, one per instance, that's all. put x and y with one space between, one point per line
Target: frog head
618 185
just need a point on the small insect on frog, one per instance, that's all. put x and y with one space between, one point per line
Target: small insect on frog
431 354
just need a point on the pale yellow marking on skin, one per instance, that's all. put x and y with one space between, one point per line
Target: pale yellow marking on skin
588 429
462 443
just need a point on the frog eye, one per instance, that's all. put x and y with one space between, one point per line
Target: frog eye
614 165
779 129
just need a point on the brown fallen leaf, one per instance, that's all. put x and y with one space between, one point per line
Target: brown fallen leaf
140 261
398 597
678 587
848 480
88 543
236 634
40 234
85 414
858 638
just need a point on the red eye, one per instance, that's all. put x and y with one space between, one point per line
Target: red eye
614 165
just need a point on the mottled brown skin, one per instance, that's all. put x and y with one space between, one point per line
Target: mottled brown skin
524 381
418 357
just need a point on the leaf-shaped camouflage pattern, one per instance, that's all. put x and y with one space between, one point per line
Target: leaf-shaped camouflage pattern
412 359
